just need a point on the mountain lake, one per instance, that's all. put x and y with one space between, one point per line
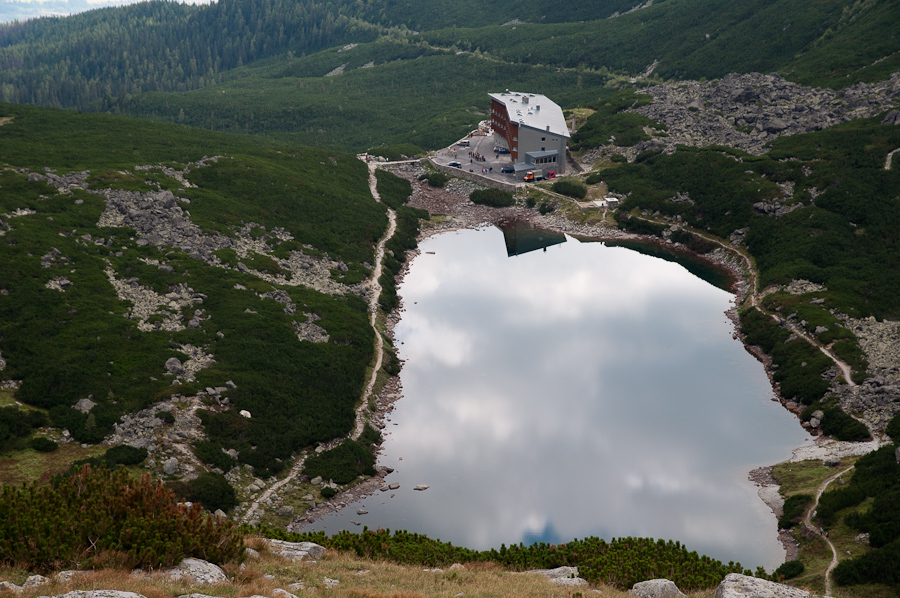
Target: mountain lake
554 389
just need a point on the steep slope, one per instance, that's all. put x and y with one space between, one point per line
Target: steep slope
136 269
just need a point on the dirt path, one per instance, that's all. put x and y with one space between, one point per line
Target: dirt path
375 293
890 156
807 521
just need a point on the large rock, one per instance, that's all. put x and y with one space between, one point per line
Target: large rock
197 571
656 588
296 551
742 586
99 594
562 576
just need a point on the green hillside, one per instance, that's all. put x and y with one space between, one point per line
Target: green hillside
67 333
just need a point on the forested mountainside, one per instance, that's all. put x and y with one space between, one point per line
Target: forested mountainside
95 59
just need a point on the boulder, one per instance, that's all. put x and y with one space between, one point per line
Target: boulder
85 405
736 585
655 588
174 366
562 576
296 551
99 594
197 571
171 466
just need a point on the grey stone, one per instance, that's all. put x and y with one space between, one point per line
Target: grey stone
173 366
85 405
198 571
34 581
296 551
742 586
171 466
8 586
562 576
286 511
99 594
655 588
279 593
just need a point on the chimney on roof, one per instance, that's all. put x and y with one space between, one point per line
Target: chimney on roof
548 127
537 108
525 99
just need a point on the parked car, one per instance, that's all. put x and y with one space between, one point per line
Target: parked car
529 177
551 174
464 143
507 169
454 164
501 150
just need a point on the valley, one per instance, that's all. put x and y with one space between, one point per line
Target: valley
194 265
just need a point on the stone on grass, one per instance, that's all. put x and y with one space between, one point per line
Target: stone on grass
736 585
656 588
198 571
296 551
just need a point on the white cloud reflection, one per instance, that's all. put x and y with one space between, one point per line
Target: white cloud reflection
583 391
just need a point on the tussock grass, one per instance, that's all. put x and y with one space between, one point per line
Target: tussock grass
357 578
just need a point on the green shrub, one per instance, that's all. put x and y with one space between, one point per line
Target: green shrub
893 429
342 464
790 569
435 179
547 207
74 519
43 445
166 416
530 201
213 491
211 453
794 507
594 178
495 198
570 188
328 492
640 226
838 424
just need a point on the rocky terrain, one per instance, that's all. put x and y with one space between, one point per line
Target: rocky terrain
748 111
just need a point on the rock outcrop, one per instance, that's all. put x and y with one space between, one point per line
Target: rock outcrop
747 111
742 586
656 588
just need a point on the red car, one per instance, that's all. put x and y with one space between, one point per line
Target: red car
551 174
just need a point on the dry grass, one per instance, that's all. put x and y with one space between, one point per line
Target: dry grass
356 577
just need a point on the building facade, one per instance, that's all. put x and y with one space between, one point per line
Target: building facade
532 128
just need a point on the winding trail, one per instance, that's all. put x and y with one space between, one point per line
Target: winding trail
890 156
374 294
754 299
807 521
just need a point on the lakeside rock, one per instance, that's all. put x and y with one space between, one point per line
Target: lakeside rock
736 585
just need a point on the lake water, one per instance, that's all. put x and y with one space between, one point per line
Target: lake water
581 390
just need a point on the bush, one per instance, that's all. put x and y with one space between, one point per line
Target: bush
547 207
74 520
570 188
166 416
495 198
893 429
435 179
342 464
213 491
594 178
790 569
530 201
838 424
793 510
43 445
328 492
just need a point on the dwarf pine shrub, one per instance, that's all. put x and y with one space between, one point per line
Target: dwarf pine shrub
74 520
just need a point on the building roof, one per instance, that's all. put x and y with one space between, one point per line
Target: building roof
533 110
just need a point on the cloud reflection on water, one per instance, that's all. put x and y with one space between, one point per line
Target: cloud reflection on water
585 390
